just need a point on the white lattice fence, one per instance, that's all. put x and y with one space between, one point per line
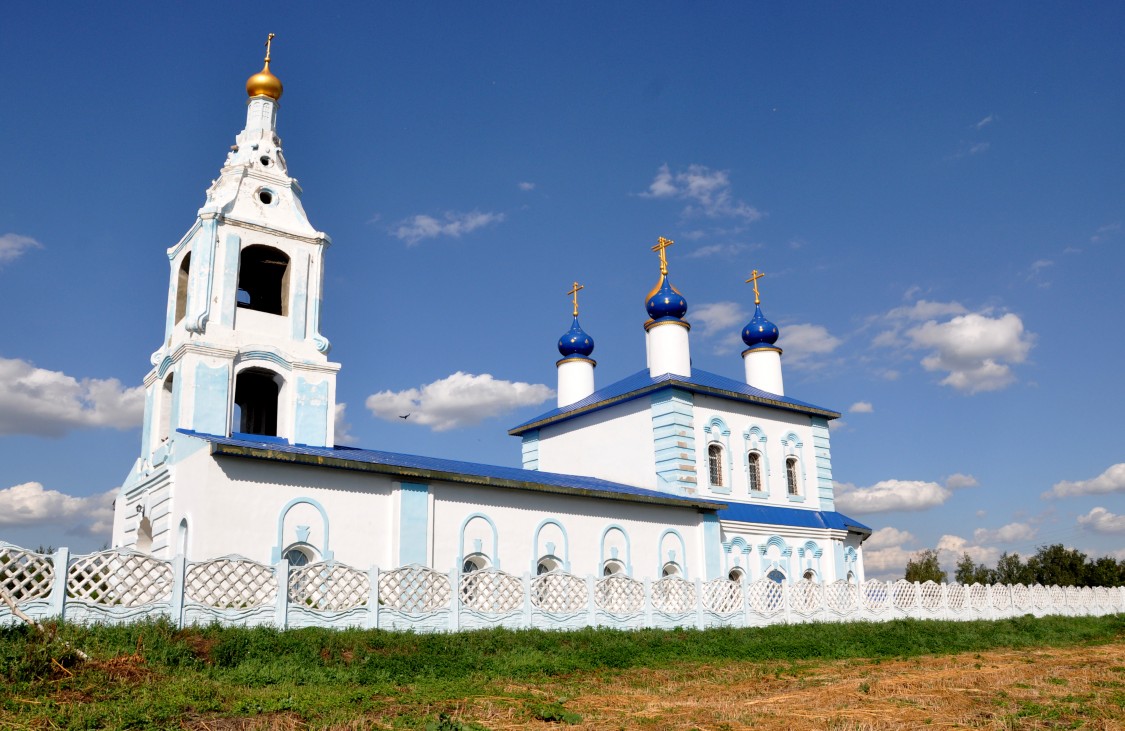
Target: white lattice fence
119 578
231 583
722 596
491 591
841 597
806 597
559 593
25 575
766 597
330 587
673 595
414 590
876 596
619 595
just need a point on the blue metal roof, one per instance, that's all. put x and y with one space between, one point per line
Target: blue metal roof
641 384
797 517
370 460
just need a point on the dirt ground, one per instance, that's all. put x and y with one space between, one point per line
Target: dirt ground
1068 688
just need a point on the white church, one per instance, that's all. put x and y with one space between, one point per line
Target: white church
671 471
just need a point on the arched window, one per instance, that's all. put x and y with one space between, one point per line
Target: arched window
671 569
736 575
299 556
546 565
166 407
754 471
791 476
256 392
474 562
263 280
851 577
809 575
715 464
613 567
776 576
182 537
182 287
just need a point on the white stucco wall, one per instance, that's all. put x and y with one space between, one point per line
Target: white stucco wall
614 444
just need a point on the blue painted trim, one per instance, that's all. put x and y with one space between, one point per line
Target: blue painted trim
822 451
278 550
719 433
712 545
673 433
529 448
201 276
682 562
212 398
628 548
298 294
535 542
310 422
413 524
267 354
494 558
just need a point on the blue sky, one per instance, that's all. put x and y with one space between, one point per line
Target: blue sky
936 194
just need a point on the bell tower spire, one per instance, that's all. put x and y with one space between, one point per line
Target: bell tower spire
242 350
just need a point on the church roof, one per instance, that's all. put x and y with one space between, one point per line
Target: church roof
445 470
796 517
642 384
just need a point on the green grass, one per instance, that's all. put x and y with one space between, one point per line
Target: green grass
324 676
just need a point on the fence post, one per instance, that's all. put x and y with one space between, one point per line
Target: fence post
527 599
785 600
744 590
454 601
61 561
373 598
179 576
648 602
281 612
700 622
591 605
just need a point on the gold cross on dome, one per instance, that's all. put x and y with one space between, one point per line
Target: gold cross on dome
574 291
754 277
269 40
662 244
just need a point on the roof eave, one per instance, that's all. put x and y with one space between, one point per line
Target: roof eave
315 460
673 383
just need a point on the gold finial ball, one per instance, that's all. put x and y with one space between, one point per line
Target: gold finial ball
264 83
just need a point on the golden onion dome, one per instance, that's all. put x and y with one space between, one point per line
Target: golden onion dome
265 83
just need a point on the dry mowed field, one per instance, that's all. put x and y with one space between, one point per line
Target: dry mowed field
1080 687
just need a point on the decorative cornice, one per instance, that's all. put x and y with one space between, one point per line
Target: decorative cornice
761 348
650 324
577 359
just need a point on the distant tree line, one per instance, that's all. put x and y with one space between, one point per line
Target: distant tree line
1050 565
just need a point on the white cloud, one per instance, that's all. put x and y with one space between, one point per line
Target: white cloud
861 407
975 350
716 317
890 495
452 224
927 310
804 343
958 481
888 536
1105 232
986 121
12 246
979 147
29 504
707 191
951 548
885 555
526 185
342 428
724 250
458 400
837 425
1010 533
1112 480
50 403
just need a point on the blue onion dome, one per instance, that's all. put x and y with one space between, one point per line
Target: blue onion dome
759 331
664 301
575 342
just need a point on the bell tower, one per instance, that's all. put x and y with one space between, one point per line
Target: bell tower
242 350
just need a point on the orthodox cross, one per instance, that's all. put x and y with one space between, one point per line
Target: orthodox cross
574 291
754 277
269 40
662 244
